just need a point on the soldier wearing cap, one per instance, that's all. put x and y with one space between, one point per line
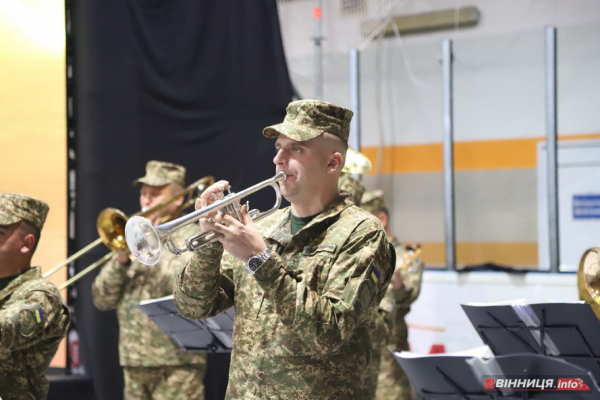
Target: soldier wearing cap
152 365
352 186
393 383
305 281
33 316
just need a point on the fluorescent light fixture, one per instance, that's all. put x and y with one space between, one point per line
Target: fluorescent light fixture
434 21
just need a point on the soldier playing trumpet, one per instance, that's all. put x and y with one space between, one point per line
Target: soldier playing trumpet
305 281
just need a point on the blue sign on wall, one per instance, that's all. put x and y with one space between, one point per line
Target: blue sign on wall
586 206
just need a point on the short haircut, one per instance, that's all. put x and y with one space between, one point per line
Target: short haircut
340 144
27 228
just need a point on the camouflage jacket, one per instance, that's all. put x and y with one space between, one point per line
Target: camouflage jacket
141 342
301 325
403 297
411 278
33 320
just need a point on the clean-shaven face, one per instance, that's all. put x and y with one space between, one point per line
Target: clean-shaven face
305 166
11 243
150 196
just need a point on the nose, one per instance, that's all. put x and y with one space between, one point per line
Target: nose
279 158
145 200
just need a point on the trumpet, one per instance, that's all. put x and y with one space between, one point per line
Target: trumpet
145 240
111 224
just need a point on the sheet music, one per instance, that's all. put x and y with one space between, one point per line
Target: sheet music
479 352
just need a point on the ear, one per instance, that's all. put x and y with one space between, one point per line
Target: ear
383 217
28 244
335 162
180 200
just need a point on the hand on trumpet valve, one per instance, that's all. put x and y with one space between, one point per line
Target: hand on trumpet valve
213 193
241 239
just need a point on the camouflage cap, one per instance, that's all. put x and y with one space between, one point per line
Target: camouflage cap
373 201
307 119
349 184
16 207
159 173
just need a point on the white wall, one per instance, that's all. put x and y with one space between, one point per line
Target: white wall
499 94
437 317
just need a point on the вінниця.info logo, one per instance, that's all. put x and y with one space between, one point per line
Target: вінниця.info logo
514 383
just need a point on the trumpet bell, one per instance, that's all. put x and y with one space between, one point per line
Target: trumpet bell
143 240
111 228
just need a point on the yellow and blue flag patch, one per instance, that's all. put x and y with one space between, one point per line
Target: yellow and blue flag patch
39 315
375 275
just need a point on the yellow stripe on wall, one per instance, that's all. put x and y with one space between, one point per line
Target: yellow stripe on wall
516 254
468 156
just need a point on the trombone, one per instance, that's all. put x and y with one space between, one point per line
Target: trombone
145 240
111 228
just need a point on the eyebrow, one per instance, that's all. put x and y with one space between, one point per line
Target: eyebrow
300 144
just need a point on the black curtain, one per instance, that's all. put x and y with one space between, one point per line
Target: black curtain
190 82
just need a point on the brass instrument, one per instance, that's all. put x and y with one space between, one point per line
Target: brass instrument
410 255
588 278
356 163
111 228
145 240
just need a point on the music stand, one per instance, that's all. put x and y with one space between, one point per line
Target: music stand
210 335
565 330
447 377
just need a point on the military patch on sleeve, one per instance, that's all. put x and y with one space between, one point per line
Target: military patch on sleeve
39 315
30 319
375 275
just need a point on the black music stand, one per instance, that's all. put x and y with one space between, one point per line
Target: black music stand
453 378
210 335
570 331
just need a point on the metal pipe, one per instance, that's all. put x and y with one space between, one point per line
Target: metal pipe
354 60
448 128
317 14
551 148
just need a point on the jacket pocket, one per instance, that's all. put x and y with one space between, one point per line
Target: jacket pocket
316 263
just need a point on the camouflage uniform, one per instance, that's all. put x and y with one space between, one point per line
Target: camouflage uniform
152 365
33 316
301 325
349 184
380 326
392 382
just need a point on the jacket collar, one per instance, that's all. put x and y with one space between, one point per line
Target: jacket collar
31 273
281 232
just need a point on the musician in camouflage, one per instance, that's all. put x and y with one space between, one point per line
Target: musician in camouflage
381 325
351 185
33 316
393 383
152 365
305 281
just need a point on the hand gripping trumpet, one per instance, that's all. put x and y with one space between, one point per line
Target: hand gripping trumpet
145 241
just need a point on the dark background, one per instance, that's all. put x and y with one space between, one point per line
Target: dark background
190 82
